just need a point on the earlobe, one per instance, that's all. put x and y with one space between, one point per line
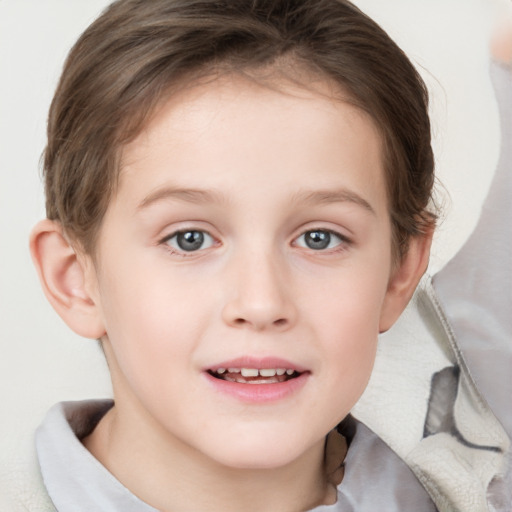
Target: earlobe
405 279
65 279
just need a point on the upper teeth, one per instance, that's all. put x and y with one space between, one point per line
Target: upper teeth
255 372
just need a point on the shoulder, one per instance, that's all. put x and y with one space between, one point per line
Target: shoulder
73 478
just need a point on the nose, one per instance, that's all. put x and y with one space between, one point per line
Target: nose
259 295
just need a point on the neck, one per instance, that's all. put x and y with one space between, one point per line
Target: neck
170 475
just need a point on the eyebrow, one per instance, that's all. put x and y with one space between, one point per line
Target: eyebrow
198 196
190 195
333 196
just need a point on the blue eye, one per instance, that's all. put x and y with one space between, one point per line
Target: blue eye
190 240
319 240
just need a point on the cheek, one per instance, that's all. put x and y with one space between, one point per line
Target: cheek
156 316
351 341
348 312
349 357
150 324
348 302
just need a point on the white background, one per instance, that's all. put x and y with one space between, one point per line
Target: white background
41 361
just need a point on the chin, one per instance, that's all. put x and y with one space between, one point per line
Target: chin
263 453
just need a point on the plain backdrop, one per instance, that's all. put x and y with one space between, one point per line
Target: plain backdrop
41 360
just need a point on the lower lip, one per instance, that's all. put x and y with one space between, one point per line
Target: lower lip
258 393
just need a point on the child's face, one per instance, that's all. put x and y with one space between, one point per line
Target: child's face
250 230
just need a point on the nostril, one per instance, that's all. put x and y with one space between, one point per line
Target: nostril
259 323
280 322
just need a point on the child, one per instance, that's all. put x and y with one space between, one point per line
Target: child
238 203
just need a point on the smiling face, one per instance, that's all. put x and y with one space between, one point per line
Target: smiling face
250 231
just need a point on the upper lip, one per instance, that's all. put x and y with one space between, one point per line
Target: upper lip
259 363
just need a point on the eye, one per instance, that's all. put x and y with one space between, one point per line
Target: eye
190 240
319 240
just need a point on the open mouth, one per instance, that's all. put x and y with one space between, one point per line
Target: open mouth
254 375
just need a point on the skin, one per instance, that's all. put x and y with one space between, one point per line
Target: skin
256 170
501 41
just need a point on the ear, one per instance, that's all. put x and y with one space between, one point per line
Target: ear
68 281
405 278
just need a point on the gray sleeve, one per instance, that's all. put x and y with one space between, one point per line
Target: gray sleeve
475 287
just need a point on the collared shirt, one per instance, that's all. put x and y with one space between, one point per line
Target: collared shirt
375 477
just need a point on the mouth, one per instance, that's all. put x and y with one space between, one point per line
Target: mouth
257 380
255 375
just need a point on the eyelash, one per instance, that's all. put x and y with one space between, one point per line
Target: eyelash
341 245
183 252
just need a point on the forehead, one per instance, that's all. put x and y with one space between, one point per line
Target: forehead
232 130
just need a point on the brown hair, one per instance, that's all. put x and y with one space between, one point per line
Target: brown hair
130 57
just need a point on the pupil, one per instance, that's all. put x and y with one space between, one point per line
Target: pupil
190 240
318 239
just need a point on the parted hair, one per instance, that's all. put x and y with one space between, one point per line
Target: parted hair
132 56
